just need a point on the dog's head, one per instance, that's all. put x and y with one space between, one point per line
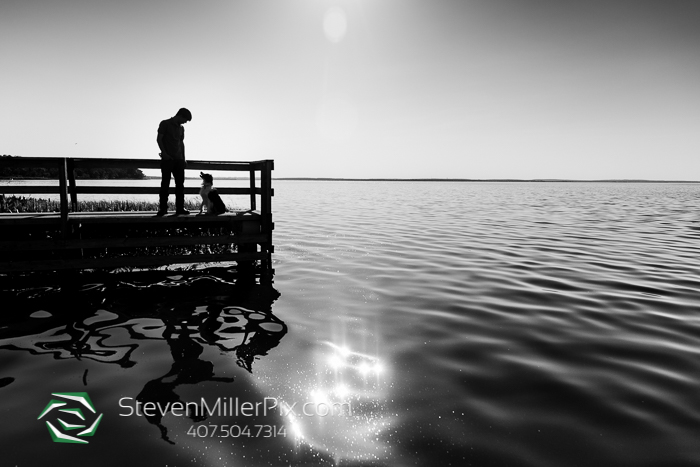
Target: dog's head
206 178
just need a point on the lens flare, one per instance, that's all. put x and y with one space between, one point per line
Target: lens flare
335 362
335 24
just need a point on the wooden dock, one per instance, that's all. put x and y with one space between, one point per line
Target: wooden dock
70 239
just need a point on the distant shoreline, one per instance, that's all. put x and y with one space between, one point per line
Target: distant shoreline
331 179
537 180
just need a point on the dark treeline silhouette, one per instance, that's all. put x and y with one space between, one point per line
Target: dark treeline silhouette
42 172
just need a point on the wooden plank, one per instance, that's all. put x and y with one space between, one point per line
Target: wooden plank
114 190
214 165
34 162
260 165
29 218
88 163
93 163
85 163
124 261
26 189
249 215
150 214
139 217
60 244
153 190
121 217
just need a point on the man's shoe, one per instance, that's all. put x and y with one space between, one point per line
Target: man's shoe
162 212
182 212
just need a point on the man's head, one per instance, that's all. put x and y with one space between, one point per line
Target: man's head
183 115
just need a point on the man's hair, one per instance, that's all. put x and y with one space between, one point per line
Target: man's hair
186 114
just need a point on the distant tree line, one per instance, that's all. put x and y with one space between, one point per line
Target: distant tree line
41 172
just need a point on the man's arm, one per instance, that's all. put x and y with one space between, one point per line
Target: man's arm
163 153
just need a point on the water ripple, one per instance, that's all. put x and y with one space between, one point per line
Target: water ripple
527 324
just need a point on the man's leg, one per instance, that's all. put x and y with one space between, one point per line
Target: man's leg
166 168
179 176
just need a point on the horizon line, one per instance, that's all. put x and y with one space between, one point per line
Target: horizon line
611 180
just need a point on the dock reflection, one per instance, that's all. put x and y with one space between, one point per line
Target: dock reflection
89 320
107 321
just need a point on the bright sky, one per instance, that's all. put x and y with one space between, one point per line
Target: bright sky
585 89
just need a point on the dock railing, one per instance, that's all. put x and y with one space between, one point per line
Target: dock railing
69 192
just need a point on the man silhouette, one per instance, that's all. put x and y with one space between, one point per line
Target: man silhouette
171 141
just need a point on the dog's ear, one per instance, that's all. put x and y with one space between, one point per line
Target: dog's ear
201 174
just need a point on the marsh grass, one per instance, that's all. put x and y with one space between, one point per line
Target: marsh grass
23 204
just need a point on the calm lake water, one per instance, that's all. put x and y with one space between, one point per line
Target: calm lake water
409 323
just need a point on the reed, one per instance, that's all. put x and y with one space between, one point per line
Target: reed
19 204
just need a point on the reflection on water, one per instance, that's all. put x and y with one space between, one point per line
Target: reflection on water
67 327
339 403
489 324
206 325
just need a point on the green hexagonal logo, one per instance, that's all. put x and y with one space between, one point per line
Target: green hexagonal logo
71 419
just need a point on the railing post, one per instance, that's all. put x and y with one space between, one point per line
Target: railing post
253 204
266 212
63 194
71 184
266 188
